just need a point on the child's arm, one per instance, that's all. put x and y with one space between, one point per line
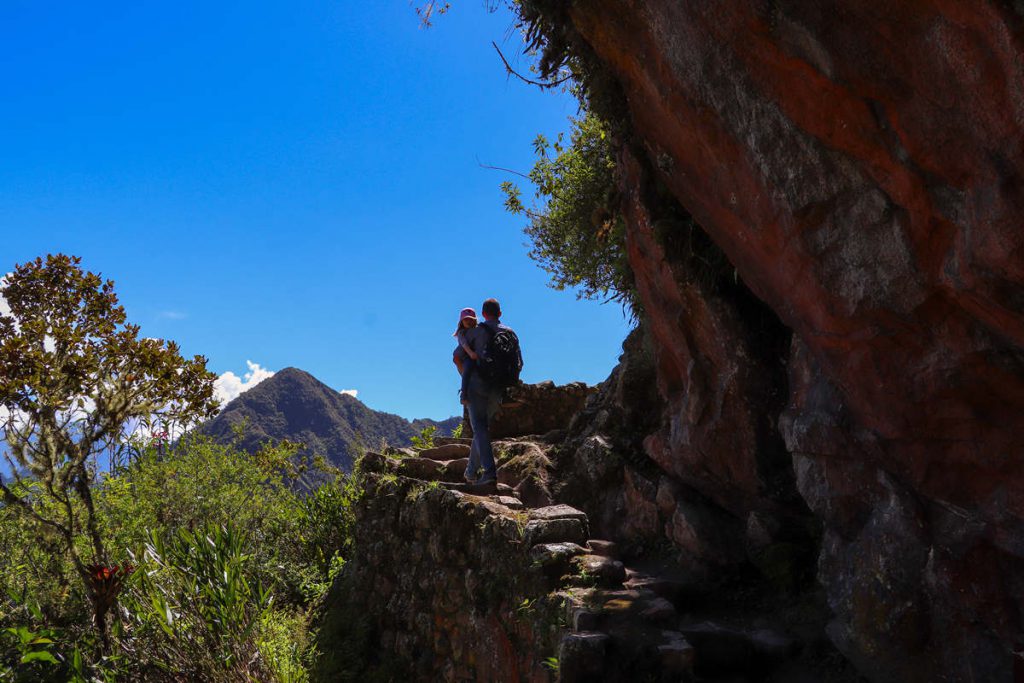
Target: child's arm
467 348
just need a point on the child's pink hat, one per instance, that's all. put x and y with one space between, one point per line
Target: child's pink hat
465 313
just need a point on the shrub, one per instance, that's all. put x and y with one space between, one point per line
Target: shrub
577 231
425 439
194 610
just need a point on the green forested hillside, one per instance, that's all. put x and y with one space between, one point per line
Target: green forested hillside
295 406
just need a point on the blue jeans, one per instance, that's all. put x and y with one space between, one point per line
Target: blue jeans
481 405
468 366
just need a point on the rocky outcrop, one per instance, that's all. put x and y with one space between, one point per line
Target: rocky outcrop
458 582
860 165
616 465
535 409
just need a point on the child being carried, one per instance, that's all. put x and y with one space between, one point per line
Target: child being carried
465 358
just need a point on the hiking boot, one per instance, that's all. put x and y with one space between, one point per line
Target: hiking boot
486 479
470 479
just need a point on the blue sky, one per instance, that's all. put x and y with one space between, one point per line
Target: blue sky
293 184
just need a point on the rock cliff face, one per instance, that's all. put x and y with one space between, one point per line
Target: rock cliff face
860 164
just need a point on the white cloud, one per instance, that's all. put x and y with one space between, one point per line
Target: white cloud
354 393
172 315
229 386
4 308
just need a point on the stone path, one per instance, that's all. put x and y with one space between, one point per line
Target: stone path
623 623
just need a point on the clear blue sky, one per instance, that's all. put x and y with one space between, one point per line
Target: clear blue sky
292 183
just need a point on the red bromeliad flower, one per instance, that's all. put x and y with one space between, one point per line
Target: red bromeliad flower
106 583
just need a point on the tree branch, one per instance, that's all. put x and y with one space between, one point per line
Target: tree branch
512 72
505 170
17 502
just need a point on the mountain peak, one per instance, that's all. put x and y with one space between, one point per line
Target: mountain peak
296 406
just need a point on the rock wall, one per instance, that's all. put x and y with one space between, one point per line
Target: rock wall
860 165
435 590
535 409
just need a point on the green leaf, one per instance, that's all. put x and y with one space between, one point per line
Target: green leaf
40 656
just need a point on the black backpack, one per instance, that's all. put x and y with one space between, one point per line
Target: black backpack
502 361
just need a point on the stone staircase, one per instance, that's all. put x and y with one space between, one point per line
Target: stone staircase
620 622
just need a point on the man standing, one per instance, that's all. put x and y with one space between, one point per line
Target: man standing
498 367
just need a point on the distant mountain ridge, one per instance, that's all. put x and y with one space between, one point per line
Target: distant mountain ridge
296 406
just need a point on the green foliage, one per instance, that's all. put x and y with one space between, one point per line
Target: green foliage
425 439
577 233
34 648
195 608
33 651
34 567
457 432
283 644
74 378
294 546
199 482
325 526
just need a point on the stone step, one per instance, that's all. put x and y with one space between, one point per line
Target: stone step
675 653
606 548
555 558
510 502
432 470
584 618
452 451
674 590
449 440
634 648
598 608
554 531
420 468
660 611
558 512
581 657
480 489
637 605
599 570
455 470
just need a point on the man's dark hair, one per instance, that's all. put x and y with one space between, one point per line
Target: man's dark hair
492 308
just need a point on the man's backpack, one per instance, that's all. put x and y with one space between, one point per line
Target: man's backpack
502 361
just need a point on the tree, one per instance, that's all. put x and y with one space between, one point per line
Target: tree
74 379
575 225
